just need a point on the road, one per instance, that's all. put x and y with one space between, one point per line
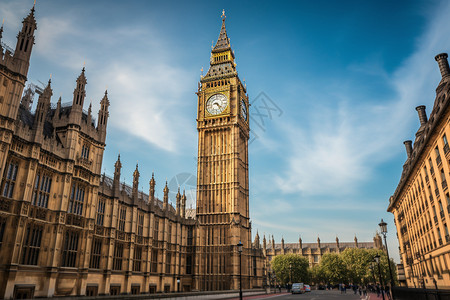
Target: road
314 295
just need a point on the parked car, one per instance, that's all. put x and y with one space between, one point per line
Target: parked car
307 288
298 288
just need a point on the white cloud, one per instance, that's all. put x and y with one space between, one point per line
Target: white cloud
147 92
341 147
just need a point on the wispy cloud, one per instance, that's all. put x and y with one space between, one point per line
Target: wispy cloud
147 92
342 146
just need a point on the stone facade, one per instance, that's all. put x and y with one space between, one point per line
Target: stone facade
66 229
312 251
421 202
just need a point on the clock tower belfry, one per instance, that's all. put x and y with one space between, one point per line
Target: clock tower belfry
222 173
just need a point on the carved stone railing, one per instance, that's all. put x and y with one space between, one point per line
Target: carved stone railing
74 220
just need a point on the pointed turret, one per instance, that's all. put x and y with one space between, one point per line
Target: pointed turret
222 57
27 99
356 242
223 42
79 93
273 243
264 242
116 182
103 115
178 204
89 116
135 183
42 108
300 243
58 109
337 243
152 190
318 242
256 242
166 197
25 42
183 204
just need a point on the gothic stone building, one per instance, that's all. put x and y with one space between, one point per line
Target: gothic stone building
421 202
66 229
312 251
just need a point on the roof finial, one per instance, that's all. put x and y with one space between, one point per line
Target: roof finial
223 14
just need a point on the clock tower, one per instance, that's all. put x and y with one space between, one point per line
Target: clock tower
222 172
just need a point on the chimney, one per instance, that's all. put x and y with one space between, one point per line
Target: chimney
443 64
408 146
422 114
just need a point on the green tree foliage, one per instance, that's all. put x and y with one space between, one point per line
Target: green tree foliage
353 266
299 268
331 269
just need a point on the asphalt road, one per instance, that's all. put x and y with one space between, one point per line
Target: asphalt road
317 295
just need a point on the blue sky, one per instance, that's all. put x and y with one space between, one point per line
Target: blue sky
344 76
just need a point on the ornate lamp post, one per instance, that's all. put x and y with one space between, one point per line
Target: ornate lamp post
377 260
383 227
240 245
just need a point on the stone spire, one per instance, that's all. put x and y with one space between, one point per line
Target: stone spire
264 242
183 205
273 243
166 197
103 115
152 190
25 42
337 243
79 93
178 204
300 243
42 108
116 181
135 183
58 109
223 42
257 242
318 242
356 241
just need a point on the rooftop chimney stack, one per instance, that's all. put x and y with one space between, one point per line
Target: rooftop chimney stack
409 149
422 114
443 64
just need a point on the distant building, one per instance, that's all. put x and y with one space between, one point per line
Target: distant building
421 202
313 251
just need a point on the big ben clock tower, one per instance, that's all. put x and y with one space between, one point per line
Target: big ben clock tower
222 184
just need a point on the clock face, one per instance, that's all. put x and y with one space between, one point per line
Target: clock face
243 110
216 104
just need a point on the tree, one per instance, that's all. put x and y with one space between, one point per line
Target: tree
290 267
332 269
357 261
385 276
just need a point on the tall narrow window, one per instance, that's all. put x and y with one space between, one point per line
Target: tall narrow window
446 147
96 254
438 156
189 264
76 199
140 229
156 229
100 212
10 179
2 230
168 262
122 218
85 152
32 244
439 235
118 256
137 259
169 232
154 267
70 248
41 190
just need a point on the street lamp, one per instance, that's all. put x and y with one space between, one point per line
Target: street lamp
383 227
377 260
240 245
